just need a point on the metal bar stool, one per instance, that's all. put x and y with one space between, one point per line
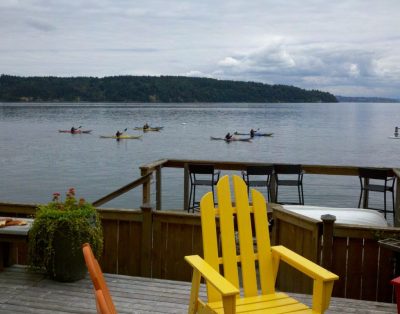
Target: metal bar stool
200 175
287 172
383 182
258 176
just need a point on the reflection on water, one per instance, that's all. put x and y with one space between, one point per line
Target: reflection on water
36 160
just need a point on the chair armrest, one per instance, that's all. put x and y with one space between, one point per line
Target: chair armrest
217 173
323 279
302 264
212 276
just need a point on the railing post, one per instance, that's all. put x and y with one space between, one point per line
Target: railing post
186 187
146 187
158 188
147 234
327 240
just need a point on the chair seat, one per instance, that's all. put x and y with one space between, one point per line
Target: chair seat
273 303
203 182
377 188
258 183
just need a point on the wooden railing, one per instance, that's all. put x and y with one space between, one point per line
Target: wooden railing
330 170
137 242
147 242
352 252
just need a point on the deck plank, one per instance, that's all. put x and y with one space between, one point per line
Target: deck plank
24 292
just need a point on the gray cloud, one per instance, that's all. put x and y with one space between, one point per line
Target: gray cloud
346 47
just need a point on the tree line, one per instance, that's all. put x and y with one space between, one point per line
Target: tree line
168 89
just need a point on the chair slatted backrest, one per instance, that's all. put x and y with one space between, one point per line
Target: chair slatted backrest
247 257
97 276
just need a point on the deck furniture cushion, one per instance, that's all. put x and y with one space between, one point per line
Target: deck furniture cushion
348 216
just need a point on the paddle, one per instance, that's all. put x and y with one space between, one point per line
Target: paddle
126 129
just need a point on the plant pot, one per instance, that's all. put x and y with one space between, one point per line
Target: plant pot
69 264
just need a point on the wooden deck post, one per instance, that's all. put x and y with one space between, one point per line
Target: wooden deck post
146 188
186 187
327 240
147 233
158 188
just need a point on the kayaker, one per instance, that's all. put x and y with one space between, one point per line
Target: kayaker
252 133
118 134
146 126
73 130
228 136
396 131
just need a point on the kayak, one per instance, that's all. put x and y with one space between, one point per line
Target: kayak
153 128
122 137
233 139
394 137
255 134
75 132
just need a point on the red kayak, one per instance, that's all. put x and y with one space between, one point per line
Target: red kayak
75 132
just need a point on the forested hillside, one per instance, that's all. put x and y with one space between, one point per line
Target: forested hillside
149 89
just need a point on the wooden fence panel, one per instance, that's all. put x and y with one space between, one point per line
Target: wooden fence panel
129 248
159 243
385 273
339 264
370 270
354 268
297 239
109 260
174 237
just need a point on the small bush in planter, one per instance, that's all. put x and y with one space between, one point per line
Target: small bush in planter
58 232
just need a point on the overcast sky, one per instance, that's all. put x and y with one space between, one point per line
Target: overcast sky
347 47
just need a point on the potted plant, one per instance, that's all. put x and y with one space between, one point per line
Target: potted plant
57 234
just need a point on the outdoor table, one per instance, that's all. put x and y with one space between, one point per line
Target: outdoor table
9 237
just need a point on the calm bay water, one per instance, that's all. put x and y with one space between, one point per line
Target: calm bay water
36 160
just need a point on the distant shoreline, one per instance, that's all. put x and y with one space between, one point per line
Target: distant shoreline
152 89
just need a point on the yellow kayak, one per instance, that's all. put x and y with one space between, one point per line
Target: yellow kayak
122 137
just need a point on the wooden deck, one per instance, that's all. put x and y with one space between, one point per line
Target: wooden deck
23 292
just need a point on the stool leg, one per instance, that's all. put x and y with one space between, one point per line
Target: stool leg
384 203
359 202
190 197
194 197
302 194
393 204
298 191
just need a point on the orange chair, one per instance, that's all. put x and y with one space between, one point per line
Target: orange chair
104 301
101 303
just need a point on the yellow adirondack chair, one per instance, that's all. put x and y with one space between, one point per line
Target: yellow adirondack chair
223 291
